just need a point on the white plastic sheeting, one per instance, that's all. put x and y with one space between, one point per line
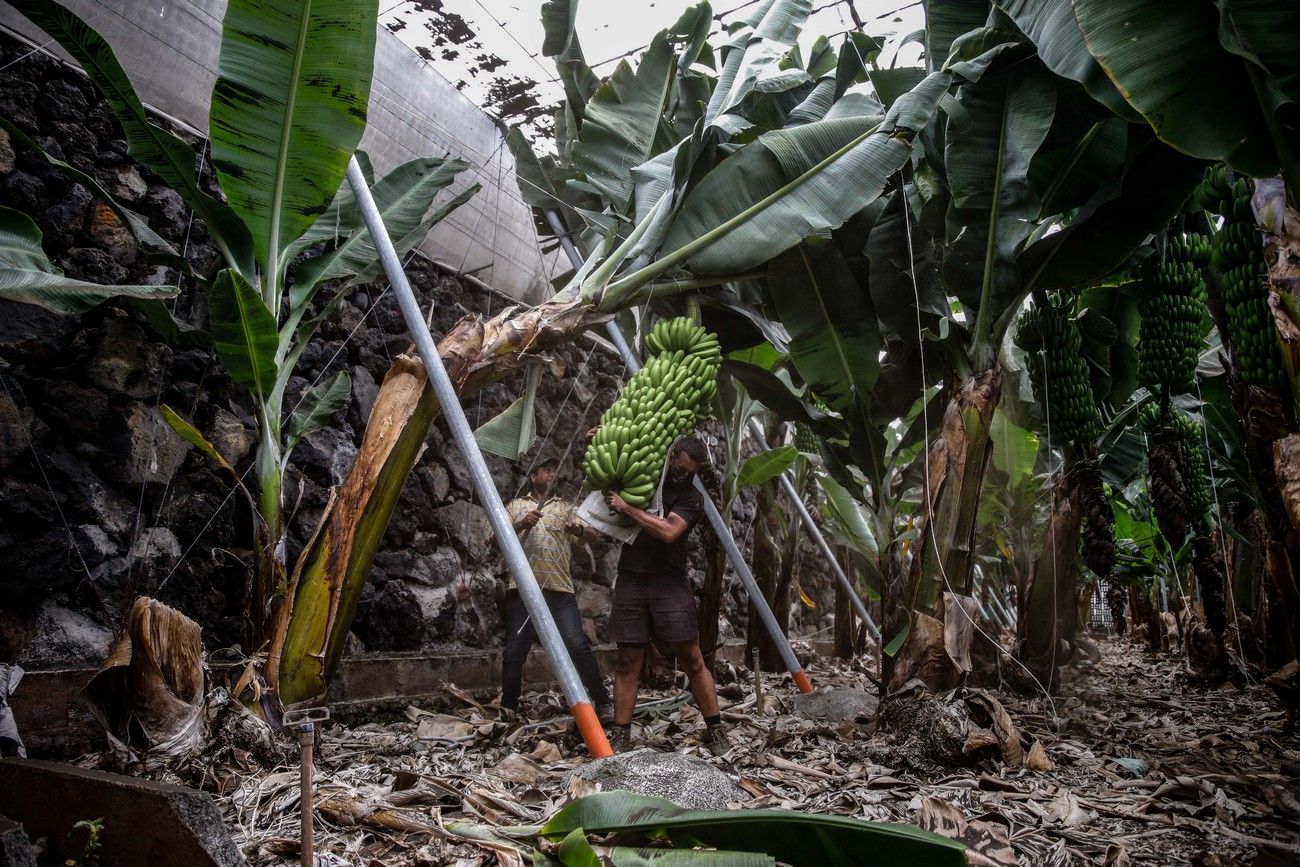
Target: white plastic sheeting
170 51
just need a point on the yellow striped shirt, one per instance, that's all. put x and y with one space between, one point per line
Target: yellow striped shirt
546 545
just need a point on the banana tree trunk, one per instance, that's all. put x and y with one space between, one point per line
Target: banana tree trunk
715 567
768 569
320 603
1050 618
943 558
957 463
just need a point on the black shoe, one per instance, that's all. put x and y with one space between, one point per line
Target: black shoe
620 739
716 740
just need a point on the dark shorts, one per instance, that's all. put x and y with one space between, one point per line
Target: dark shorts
656 606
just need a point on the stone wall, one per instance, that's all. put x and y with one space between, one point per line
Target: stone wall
100 501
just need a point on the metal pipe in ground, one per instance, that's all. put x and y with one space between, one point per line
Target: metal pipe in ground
711 513
756 431
484 486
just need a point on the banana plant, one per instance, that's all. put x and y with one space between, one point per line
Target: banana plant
288 108
967 184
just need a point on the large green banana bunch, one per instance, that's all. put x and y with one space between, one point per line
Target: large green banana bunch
1172 309
1239 258
658 404
1058 373
805 440
1196 468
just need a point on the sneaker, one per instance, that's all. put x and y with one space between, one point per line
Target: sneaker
620 739
716 740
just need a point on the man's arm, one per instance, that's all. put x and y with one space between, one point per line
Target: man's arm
666 530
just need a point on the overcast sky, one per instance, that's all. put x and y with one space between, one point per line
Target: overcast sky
491 49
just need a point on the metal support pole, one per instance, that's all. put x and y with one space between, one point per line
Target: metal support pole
765 614
711 512
449 402
756 431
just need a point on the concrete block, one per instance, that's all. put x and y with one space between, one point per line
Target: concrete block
145 823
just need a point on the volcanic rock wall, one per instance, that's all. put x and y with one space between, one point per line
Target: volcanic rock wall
100 501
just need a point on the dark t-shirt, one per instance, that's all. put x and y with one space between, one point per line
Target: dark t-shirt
647 555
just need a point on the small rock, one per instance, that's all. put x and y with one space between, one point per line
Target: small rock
62 636
465 526
63 221
74 408
93 544
128 362
330 450
364 392
231 437
110 234
93 265
147 450
437 482
171 209
33 335
122 181
14 423
156 548
687 781
836 704
7 155
26 192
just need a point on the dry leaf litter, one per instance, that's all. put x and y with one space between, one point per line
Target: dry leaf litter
1130 765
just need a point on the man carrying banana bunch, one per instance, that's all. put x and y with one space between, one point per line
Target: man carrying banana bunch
653 598
547 526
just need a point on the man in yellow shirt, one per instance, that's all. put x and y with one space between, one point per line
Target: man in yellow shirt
548 527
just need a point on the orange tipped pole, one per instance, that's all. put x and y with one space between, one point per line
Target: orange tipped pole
593 733
801 680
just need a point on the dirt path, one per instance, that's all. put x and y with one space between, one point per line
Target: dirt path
1144 770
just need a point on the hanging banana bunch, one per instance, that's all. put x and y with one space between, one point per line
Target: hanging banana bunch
1058 373
1238 257
1098 519
1173 310
658 404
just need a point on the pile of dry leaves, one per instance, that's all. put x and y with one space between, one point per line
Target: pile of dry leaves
1130 765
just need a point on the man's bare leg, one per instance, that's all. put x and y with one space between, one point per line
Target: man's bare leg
691 660
627 677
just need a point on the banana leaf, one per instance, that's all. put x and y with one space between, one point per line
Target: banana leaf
790 837
244 333
1052 27
1263 35
992 208
511 433
316 409
945 20
560 40
403 197
787 185
834 339
618 132
1193 93
765 466
26 275
1156 182
775 27
158 149
288 109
